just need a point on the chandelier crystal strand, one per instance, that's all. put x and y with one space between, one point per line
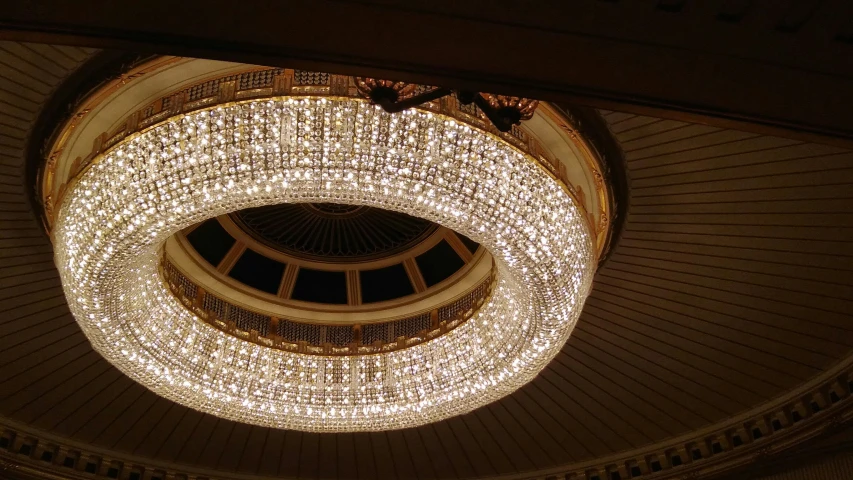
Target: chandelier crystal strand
115 219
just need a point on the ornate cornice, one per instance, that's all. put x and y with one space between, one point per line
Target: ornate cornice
823 406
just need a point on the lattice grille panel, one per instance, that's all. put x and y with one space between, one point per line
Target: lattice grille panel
215 305
295 332
409 327
339 335
247 320
372 333
302 77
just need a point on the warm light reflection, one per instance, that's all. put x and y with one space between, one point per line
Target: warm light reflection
115 219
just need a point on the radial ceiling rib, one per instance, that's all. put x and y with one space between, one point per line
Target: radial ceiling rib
774 350
75 424
716 296
695 351
815 277
691 410
590 437
721 307
680 375
651 419
778 286
93 379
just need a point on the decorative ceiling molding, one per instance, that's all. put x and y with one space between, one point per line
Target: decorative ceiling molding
721 448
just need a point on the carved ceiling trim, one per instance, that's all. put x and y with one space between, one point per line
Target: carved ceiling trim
719 452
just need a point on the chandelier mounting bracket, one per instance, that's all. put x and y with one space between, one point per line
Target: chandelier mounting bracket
503 111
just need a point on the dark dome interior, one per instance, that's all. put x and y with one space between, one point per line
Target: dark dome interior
340 238
333 232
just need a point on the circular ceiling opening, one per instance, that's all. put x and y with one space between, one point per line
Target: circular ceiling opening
333 232
338 254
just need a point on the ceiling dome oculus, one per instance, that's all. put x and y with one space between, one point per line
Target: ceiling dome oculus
333 232
330 254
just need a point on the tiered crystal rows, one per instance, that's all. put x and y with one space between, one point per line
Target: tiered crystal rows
115 219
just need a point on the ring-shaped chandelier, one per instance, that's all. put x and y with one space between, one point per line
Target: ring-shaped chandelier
116 216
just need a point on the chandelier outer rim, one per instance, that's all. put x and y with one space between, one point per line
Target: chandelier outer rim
158 387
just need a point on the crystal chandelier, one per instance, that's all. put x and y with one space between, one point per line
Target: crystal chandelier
502 110
116 215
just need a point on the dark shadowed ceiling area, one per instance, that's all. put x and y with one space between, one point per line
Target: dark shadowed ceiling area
739 60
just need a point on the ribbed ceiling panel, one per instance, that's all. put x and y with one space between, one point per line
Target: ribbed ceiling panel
729 286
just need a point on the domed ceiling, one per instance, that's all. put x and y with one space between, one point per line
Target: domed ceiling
719 321
334 231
